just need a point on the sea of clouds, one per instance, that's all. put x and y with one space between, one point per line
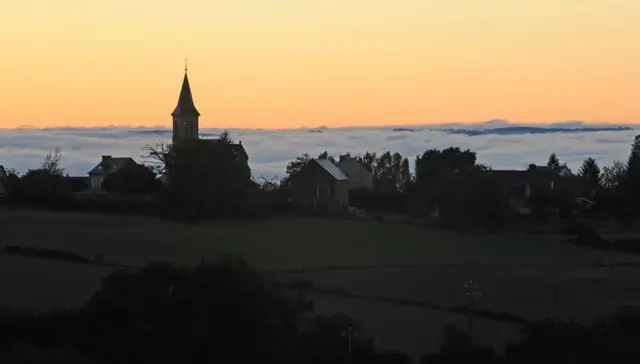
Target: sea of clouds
270 150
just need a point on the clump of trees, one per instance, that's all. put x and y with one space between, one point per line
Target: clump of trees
44 186
205 179
133 179
215 312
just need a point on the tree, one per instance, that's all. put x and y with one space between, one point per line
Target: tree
225 137
297 164
204 314
45 186
325 155
631 185
473 195
51 162
554 162
590 172
132 178
206 179
39 187
157 156
268 183
368 161
405 173
433 164
612 176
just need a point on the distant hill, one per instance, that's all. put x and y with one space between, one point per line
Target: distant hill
513 130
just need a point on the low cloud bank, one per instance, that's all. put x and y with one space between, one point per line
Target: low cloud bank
270 150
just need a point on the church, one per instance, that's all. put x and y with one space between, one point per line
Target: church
186 120
185 129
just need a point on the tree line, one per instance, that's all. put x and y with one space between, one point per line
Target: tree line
207 180
452 182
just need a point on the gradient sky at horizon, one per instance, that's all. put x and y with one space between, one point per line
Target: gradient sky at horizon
291 63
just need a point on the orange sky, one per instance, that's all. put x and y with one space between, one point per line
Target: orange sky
292 63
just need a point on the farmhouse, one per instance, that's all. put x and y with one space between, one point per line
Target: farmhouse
521 184
107 165
359 176
320 183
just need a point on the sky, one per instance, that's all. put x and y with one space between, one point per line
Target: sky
289 63
270 150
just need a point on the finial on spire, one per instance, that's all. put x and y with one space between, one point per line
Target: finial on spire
186 63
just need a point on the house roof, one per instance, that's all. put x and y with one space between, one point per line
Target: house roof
114 164
346 162
185 106
235 147
332 169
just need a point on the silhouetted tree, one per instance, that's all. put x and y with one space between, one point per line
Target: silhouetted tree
51 162
45 186
631 184
206 179
590 172
554 162
613 176
157 156
204 314
132 179
433 164
225 137
368 160
472 195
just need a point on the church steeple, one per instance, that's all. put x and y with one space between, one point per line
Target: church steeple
185 106
185 115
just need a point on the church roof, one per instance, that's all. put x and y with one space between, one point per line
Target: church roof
185 106
237 148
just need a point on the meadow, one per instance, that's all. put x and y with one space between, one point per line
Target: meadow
532 275
287 243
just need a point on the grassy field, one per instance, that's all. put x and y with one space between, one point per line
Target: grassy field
285 243
518 273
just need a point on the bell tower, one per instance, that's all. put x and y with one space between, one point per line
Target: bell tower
185 115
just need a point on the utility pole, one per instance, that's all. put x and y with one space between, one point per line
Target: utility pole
471 291
349 334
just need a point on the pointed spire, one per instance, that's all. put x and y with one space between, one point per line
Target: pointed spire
185 106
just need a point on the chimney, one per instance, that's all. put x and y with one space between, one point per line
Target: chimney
106 162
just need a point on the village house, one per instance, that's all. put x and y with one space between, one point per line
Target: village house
107 165
320 184
359 176
521 184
